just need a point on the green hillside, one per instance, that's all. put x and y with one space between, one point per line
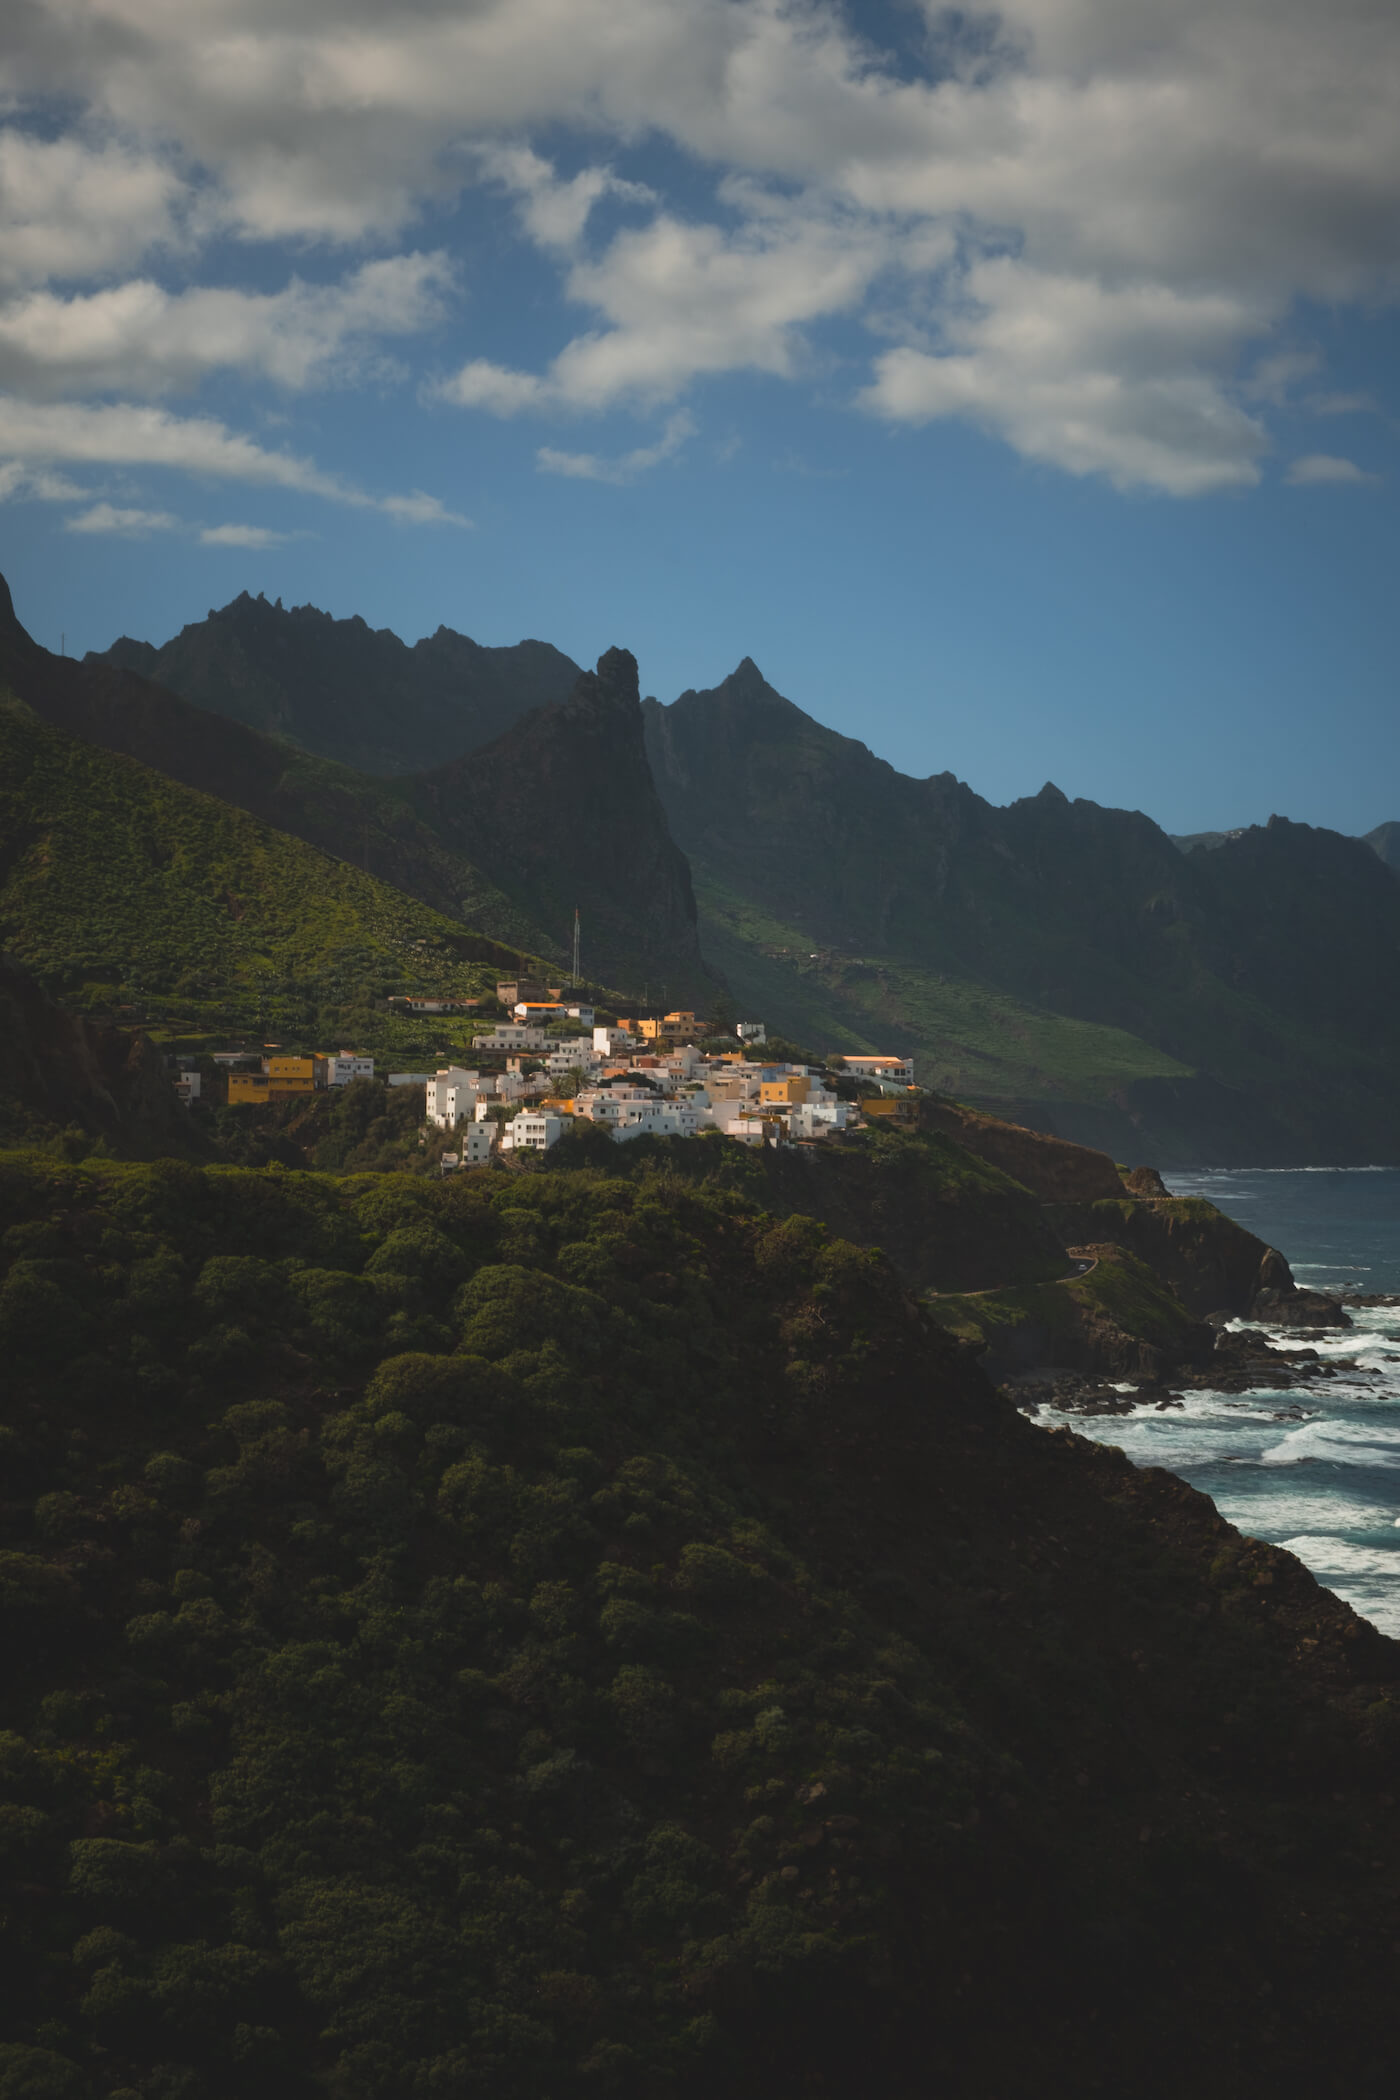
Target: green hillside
967 1038
126 894
1250 970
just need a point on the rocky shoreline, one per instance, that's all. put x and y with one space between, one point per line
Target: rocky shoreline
1243 1359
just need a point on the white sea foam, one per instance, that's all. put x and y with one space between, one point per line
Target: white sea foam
1305 1504
1341 1443
1331 1556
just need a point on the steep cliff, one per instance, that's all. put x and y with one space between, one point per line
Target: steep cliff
348 691
564 812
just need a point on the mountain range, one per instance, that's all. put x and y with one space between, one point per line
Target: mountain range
352 692
557 813
1066 964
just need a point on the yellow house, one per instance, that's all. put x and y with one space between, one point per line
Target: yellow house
295 1075
785 1093
279 1079
891 1108
678 1027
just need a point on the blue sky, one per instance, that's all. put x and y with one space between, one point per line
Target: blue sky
1018 391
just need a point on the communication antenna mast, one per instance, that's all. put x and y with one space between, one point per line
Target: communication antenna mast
576 940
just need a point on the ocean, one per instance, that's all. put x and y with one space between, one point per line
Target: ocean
1315 1468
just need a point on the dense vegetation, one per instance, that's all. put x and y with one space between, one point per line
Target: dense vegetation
558 1633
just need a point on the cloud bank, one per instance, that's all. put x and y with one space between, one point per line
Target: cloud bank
1084 226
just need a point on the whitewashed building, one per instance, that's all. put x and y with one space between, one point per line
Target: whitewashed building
451 1096
528 1132
511 1035
346 1065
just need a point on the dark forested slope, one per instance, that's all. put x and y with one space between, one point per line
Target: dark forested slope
1252 964
548 1634
348 691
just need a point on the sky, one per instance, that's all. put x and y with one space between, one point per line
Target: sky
1018 389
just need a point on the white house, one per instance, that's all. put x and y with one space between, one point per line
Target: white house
528 1132
409 1078
451 1096
511 1035
475 1152
658 1119
345 1066
542 1010
885 1071
751 1032
573 1053
816 1119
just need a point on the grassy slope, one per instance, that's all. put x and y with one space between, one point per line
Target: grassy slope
123 891
969 1039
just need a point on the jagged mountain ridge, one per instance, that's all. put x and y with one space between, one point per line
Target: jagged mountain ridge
557 812
1252 964
348 691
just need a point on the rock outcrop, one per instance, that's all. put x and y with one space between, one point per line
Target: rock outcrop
60 1073
563 811
1051 1168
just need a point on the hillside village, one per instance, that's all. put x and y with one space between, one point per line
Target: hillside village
552 1065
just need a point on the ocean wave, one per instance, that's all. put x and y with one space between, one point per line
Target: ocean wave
1343 1556
1340 1443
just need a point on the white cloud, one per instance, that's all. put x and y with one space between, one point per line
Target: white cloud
587 466
1320 467
120 434
245 536
421 509
1122 384
70 210
684 300
35 435
481 384
142 339
129 524
38 484
554 212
